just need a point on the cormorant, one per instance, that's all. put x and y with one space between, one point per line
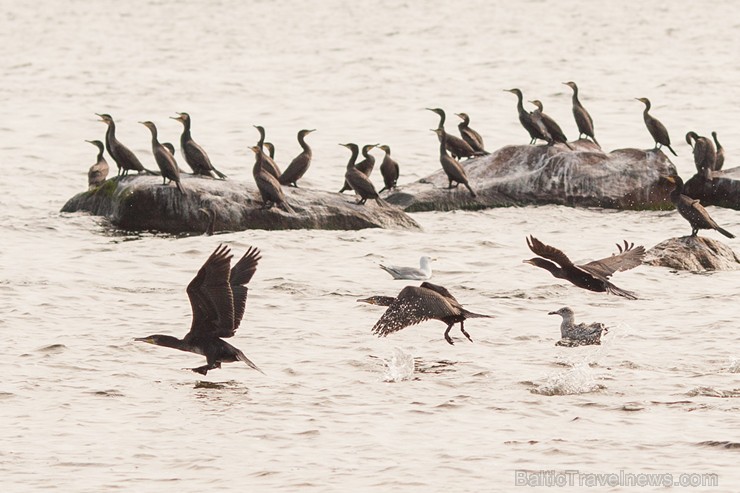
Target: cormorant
583 120
423 273
169 147
270 149
572 334
657 130
473 138
552 129
365 166
414 305
389 169
453 169
299 165
269 187
705 155
593 275
194 154
122 155
165 160
99 171
269 163
720 161
457 146
357 180
218 297
692 210
535 132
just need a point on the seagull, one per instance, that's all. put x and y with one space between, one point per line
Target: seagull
573 334
423 273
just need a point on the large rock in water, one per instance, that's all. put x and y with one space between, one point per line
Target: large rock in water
140 202
527 175
692 253
722 190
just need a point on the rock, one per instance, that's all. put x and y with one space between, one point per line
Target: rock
527 175
140 202
692 253
722 190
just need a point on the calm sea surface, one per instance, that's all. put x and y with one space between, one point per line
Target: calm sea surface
84 408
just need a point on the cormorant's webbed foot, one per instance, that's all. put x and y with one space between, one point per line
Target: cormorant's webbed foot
447 335
201 369
462 329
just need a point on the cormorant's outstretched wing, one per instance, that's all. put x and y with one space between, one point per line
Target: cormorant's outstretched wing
241 274
439 289
628 257
413 305
210 296
548 252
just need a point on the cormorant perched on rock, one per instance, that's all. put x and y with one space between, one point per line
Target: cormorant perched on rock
705 154
720 161
593 275
657 130
269 163
194 154
357 180
414 305
218 297
454 170
535 132
299 165
122 155
423 273
473 138
457 146
552 129
165 160
692 210
584 122
99 171
389 169
269 186
572 334
365 166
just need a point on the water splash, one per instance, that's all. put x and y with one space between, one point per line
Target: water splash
399 367
734 366
579 379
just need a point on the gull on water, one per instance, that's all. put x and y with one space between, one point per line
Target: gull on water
423 273
573 334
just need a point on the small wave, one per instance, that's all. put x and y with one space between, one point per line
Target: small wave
399 367
722 444
578 380
712 392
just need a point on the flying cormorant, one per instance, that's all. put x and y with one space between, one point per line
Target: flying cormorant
572 334
473 138
194 154
164 158
583 120
99 171
705 155
299 165
422 273
535 132
218 297
453 169
269 163
720 161
389 169
414 305
552 129
357 180
657 130
457 146
593 275
269 186
692 210
122 155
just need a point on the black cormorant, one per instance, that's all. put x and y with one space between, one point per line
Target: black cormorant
365 166
389 169
692 210
99 171
705 155
593 275
414 305
194 154
584 122
269 186
357 180
572 334
270 149
473 138
299 165
122 155
218 297
457 146
552 129
720 161
657 130
269 163
165 160
535 132
453 169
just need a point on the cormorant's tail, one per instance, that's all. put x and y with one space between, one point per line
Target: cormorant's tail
725 232
469 314
470 189
568 145
179 187
220 175
612 289
596 141
671 149
241 357
286 207
150 172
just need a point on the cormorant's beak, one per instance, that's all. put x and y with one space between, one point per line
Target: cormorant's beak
144 339
312 130
553 313
669 179
366 300
528 261
178 118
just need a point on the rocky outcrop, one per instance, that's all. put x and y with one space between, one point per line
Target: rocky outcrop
140 202
527 175
692 253
722 190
